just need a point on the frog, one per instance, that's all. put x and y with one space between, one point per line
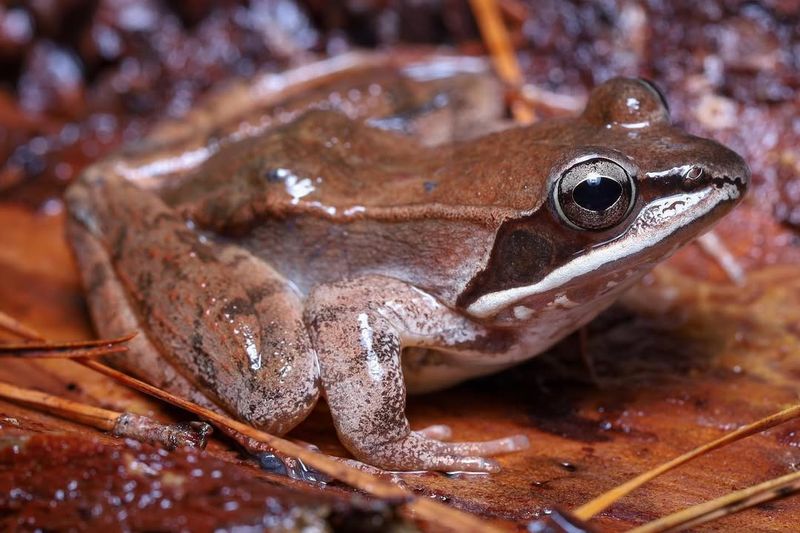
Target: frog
280 246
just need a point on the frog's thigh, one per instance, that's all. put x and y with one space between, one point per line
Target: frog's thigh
114 317
358 328
223 319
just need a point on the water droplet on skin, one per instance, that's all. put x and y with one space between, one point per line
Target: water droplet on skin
251 349
298 188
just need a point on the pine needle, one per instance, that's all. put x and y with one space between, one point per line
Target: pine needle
66 350
607 499
734 502
498 42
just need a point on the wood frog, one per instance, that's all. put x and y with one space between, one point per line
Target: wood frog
367 226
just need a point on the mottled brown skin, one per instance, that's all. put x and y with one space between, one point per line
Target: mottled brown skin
357 252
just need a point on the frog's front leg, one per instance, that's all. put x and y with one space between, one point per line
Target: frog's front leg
359 329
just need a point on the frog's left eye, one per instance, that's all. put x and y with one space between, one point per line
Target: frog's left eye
596 194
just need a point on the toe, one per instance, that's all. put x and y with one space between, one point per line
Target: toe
437 432
511 444
459 463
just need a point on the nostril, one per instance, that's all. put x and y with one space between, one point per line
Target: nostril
692 175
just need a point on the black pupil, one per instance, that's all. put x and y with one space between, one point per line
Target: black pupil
597 193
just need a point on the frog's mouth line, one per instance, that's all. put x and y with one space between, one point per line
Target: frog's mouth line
663 224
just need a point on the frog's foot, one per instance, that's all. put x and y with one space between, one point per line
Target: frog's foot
436 431
510 444
514 443
416 451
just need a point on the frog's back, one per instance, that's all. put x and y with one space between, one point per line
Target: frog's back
326 165
327 197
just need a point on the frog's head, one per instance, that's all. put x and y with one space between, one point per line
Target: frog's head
624 189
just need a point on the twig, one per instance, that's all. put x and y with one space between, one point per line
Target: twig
725 505
515 9
498 41
587 510
102 419
126 425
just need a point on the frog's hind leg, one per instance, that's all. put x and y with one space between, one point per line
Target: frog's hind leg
219 323
359 328
113 317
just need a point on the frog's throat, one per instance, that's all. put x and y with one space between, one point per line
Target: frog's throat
651 230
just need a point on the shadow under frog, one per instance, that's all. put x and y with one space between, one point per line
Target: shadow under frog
332 256
634 359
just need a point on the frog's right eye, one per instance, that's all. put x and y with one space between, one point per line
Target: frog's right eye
596 194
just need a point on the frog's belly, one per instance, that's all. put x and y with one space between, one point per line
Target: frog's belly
428 370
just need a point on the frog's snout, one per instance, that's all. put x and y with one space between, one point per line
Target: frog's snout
728 171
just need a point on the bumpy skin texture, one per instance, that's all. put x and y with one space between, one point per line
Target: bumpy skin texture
268 255
198 300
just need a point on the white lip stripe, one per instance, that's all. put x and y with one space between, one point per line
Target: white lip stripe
491 303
